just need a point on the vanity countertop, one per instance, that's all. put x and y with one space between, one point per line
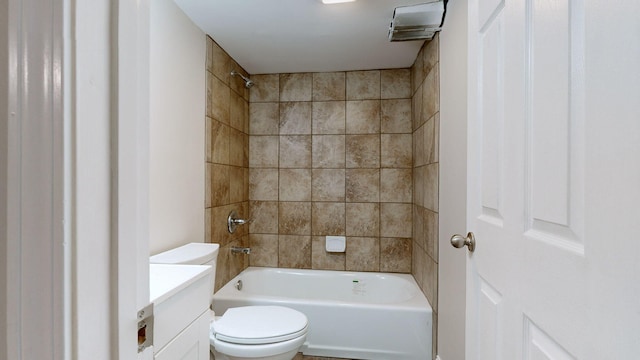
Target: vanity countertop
166 280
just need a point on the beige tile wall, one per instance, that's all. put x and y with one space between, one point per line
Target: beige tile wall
227 159
331 154
315 154
426 118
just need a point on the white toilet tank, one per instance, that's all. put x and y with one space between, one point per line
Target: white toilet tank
191 254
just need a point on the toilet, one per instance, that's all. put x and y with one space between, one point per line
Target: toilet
247 332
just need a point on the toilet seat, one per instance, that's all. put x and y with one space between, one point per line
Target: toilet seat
257 325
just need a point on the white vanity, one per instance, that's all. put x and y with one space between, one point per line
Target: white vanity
180 295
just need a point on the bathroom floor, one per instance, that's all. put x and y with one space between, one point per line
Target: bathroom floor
299 356
303 357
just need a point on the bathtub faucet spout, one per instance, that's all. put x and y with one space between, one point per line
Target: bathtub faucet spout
240 250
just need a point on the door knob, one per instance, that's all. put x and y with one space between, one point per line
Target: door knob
459 241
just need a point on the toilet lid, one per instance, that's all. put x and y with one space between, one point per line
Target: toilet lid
259 325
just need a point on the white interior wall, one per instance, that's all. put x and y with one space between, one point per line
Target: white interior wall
177 108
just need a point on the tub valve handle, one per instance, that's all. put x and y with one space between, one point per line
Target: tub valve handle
233 221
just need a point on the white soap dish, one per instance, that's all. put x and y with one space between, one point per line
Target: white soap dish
335 243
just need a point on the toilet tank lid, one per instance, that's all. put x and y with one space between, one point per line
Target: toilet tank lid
190 254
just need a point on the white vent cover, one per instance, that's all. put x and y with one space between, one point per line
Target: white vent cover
417 22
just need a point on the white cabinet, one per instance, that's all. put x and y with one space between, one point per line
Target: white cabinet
190 344
180 295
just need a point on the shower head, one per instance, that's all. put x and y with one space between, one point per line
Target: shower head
247 82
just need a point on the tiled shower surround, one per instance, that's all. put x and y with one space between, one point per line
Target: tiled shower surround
426 129
306 155
330 154
227 163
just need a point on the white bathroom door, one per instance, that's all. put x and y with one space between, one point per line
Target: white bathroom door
553 180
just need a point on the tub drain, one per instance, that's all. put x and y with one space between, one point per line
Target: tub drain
239 285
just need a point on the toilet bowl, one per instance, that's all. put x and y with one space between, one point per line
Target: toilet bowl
247 332
258 332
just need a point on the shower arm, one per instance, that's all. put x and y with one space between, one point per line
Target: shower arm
234 73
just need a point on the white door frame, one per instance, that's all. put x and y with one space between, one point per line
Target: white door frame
453 182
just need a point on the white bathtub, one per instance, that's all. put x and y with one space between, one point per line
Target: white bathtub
351 315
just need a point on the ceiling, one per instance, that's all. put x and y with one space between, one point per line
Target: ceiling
287 36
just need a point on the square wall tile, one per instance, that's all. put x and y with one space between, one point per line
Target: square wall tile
295 185
264 118
219 62
395 220
264 216
419 185
396 150
219 232
395 116
323 260
362 185
363 85
430 54
236 112
396 185
236 184
295 87
328 151
418 258
219 97
222 267
419 228
208 139
363 254
264 250
219 142
363 117
416 111
429 140
266 88
436 138
328 117
328 218
431 94
209 59
238 262
295 118
363 219
263 151
246 184
329 86
295 151
219 185
417 71
395 84
328 185
294 218
395 255
294 251
208 184
363 151
419 147
431 234
263 184
431 187
236 147
207 226
430 282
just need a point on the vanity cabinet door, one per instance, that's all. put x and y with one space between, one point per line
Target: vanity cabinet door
191 344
